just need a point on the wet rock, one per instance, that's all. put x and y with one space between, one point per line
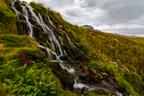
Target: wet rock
64 58
18 5
84 90
22 29
84 77
84 69
74 52
66 78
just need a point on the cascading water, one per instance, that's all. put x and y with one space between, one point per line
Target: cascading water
55 50
25 12
26 9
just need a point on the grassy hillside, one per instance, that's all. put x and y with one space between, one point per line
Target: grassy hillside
7 18
107 48
24 69
104 48
119 56
110 52
139 40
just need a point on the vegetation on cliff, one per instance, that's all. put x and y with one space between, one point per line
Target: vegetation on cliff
7 18
114 51
26 70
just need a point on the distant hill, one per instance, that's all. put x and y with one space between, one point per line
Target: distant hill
88 27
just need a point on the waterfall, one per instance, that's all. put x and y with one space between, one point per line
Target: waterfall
13 7
55 50
50 52
25 14
26 10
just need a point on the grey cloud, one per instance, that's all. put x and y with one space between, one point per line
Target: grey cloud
137 31
64 3
102 12
74 12
124 11
89 3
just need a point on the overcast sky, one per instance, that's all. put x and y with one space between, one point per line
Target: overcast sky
117 16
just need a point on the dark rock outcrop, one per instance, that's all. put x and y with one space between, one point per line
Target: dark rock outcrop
88 27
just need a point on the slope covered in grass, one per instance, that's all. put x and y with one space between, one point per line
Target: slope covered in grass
7 18
24 69
121 56
112 50
139 40
116 60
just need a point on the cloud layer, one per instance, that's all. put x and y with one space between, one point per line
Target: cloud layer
117 16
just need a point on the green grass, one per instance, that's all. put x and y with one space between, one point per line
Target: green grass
139 40
99 48
20 41
21 80
106 47
7 18
17 78
118 74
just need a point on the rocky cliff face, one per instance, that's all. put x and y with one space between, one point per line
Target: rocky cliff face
88 27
